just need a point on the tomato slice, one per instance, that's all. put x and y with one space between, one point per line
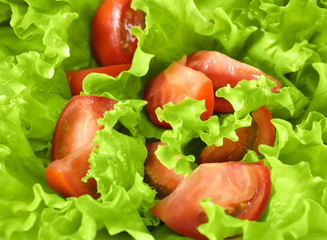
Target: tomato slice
261 131
173 84
75 78
241 189
164 180
64 175
223 70
230 151
266 130
77 124
111 40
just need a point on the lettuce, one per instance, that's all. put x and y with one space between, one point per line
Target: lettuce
41 40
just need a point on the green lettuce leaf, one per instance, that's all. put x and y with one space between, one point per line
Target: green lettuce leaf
186 126
248 96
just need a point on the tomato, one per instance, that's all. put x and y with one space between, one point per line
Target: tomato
111 40
75 78
230 151
241 189
261 131
223 70
64 175
71 145
173 84
164 180
266 130
77 124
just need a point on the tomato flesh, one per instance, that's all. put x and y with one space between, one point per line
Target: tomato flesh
75 78
164 180
242 189
223 70
266 130
261 131
111 40
64 175
77 124
72 145
173 84
230 151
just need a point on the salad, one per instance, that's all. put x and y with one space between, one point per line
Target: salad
42 40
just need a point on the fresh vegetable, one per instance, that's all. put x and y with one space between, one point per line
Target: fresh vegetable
42 40
164 180
65 175
173 84
261 131
241 189
72 145
75 78
78 123
223 70
112 42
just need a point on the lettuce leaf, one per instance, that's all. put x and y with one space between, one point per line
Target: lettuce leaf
288 103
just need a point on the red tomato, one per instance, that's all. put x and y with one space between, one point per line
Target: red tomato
111 40
71 145
173 84
266 130
64 175
223 70
230 151
241 189
75 78
78 123
261 131
164 180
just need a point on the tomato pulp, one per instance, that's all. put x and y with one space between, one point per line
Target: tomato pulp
157 175
72 145
261 131
241 189
173 84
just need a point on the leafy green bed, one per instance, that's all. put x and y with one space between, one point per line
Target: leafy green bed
42 39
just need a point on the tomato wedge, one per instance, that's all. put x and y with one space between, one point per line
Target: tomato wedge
71 145
241 189
173 84
261 131
164 180
111 40
64 175
75 78
223 70
77 124
266 130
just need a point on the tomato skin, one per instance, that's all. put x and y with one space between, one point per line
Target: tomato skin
242 189
64 175
75 78
230 151
223 70
111 41
77 124
266 130
164 180
173 84
261 131
72 145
